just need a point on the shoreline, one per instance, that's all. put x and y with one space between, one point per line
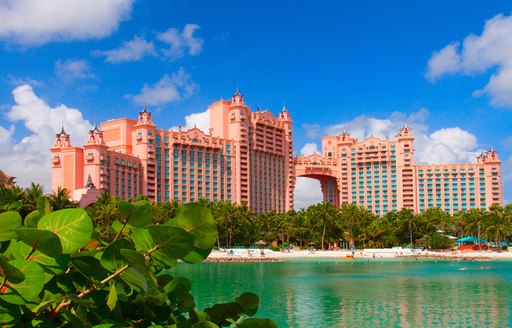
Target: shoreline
244 255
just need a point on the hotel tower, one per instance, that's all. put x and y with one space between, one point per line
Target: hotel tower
245 157
381 175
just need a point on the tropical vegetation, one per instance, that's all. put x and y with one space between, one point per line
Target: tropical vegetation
318 225
61 267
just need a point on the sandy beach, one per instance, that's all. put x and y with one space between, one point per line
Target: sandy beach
245 255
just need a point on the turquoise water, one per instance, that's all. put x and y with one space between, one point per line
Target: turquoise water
342 293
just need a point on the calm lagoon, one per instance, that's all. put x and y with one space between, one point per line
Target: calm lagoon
342 293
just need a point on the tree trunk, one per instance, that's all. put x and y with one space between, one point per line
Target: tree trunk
323 236
410 232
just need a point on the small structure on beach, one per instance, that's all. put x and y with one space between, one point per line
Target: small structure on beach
470 243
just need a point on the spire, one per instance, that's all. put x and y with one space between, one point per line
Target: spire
284 107
237 98
89 184
96 128
62 131
491 149
237 93
144 111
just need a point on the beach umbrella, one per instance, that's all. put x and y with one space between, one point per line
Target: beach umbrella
260 243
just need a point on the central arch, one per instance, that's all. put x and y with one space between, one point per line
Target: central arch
323 170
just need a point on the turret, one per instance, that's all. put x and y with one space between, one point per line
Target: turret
62 139
145 117
237 98
95 136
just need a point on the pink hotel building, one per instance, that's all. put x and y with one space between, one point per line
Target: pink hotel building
247 157
381 176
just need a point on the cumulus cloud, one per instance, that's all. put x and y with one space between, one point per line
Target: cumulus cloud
477 54
71 70
129 51
444 61
28 157
181 42
309 149
169 89
307 192
196 120
30 22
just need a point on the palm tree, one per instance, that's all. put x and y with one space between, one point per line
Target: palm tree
33 193
497 224
408 220
373 231
227 214
351 216
472 221
327 215
60 199
10 198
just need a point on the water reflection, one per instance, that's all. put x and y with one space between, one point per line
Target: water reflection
366 294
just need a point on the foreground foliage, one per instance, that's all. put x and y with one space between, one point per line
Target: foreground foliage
56 271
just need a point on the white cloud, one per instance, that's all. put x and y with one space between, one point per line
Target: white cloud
180 42
199 120
31 22
309 149
29 157
444 61
168 89
479 53
447 145
132 50
307 192
71 70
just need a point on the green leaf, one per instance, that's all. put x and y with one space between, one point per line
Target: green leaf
205 324
10 272
9 222
112 297
118 226
20 251
198 221
32 218
137 215
34 280
141 215
43 205
113 260
89 267
125 208
73 226
42 240
197 255
250 303
172 241
135 258
9 314
142 239
257 323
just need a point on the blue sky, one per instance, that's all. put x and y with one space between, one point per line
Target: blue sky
442 67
